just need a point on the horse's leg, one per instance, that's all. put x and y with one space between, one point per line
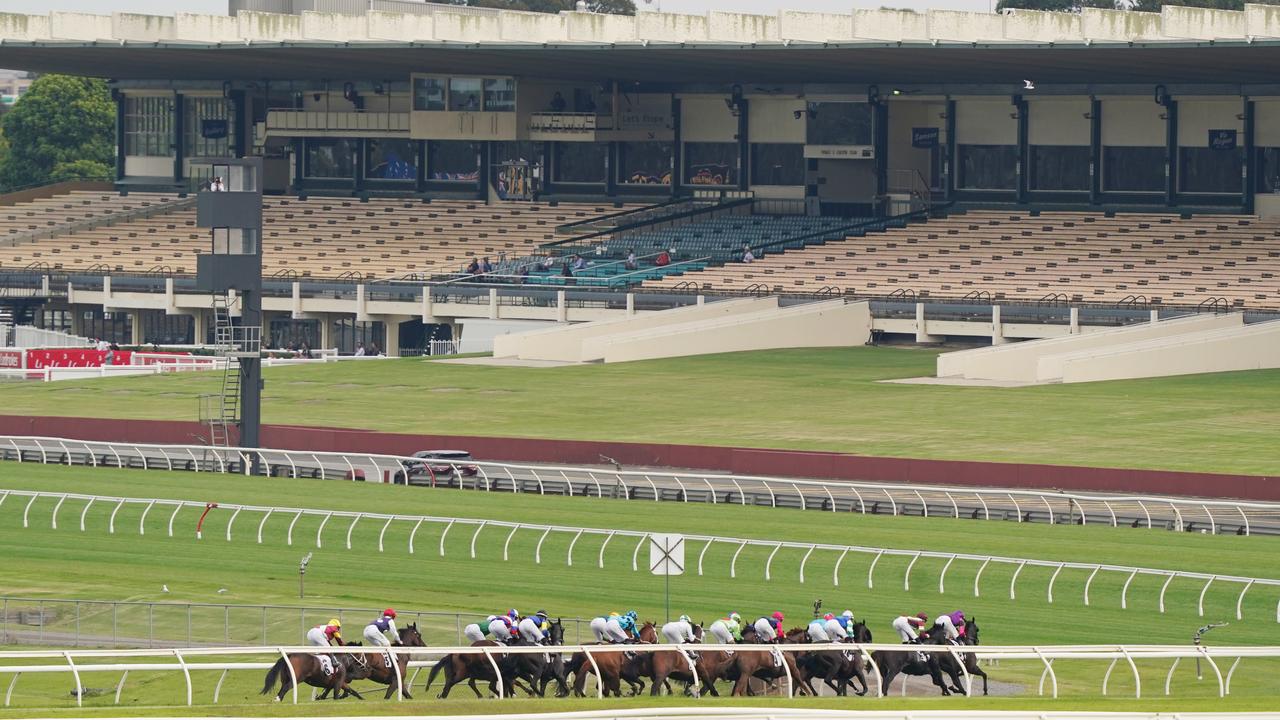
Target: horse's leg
972 666
935 673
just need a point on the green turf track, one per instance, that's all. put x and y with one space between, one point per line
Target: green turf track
793 399
95 565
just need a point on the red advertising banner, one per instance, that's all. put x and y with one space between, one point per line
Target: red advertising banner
12 359
75 357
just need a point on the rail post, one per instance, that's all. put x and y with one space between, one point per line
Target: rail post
497 673
75 675
186 673
595 667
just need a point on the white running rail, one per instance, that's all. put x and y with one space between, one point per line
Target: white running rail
264 513
188 661
1150 511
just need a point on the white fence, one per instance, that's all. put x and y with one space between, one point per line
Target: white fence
27 336
1181 514
192 660
153 366
265 513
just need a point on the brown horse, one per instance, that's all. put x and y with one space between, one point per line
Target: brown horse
764 664
466 667
669 664
307 668
614 667
374 666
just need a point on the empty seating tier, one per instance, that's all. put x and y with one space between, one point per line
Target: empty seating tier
319 238
1065 256
67 208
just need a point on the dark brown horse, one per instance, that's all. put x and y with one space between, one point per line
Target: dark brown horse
764 664
937 662
664 664
469 667
837 668
374 666
308 669
614 667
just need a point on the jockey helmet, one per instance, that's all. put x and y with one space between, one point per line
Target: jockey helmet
335 622
632 614
735 617
389 612
614 613
847 613
777 615
512 613
541 613
922 616
685 618
828 616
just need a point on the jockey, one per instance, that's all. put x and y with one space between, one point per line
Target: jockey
727 630
376 633
533 629
837 627
680 631
500 627
769 628
909 626
613 628
817 629
476 631
325 635
952 625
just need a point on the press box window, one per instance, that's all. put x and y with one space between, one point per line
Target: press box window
235 241
499 95
428 93
464 94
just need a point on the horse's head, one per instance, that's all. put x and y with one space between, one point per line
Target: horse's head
555 636
971 631
410 636
648 633
860 632
697 631
796 635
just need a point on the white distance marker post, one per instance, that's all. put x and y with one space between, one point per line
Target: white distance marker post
666 558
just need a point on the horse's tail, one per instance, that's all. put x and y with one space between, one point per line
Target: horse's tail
447 663
272 675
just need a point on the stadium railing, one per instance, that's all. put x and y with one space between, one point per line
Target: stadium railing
188 660
948 559
1052 506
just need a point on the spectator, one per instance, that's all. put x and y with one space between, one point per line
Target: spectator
472 103
566 270
630 264
304 351
747 255
102 345
216 185
557 103
474 267
579 263
524 271
486 266
373 350
663 259
359 351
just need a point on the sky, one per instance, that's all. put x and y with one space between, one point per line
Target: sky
168 7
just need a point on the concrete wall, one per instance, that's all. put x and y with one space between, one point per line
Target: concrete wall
468 25
1132 123
1252 347
773 120
565 342
1020 362
480 334
986 122
1058 121
1196 117
823 324
705 118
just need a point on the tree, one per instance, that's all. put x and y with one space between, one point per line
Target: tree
612 7
1058 5
62 129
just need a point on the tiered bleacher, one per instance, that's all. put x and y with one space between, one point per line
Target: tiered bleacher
67 208
1073 256
318 238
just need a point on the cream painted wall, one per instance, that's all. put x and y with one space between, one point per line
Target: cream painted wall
1266 131
146 166
1252 347
847 180
773 120
907 114
1196 117
1132 123
1058 122
986 122
705 118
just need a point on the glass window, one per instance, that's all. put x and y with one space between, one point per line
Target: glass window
777 164
464 94
208 127
838 123
581 162
1133 169
1268 170
330 158
390 159
987 167
235 241
709 163
1059 167
644 163
453 160
148 126
428 93
1209 170
499 95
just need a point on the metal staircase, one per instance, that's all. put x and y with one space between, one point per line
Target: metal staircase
222 412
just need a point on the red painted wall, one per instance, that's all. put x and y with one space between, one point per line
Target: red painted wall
744 461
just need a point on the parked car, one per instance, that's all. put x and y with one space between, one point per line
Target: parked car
436 466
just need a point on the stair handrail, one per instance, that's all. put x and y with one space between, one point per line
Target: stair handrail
706 206
865 224
569 226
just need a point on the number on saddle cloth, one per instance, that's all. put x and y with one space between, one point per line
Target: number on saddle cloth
326 665
777 656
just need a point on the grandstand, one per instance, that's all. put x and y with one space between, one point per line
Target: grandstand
1029 256
56 212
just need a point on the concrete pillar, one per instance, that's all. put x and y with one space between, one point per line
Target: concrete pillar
135 327
1155 316
997 327
493 303
921 335
631 304
297 301
562 308
77 321
326 331
106 286
199 326
362 312
391 346
1075 321
702 300
428 306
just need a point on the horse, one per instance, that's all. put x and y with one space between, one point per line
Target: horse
538 670
763 664
308 668
948 664
374 667
837 668
664 664
613 667
907 661
469 667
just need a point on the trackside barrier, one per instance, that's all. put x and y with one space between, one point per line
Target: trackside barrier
189 661
1181 514
264 513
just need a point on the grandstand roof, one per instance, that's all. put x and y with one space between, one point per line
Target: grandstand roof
1180 44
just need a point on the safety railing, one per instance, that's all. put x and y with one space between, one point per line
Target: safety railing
414 523
1056 507
190 661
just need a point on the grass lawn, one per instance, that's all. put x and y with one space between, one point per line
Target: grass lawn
65 562
794 399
